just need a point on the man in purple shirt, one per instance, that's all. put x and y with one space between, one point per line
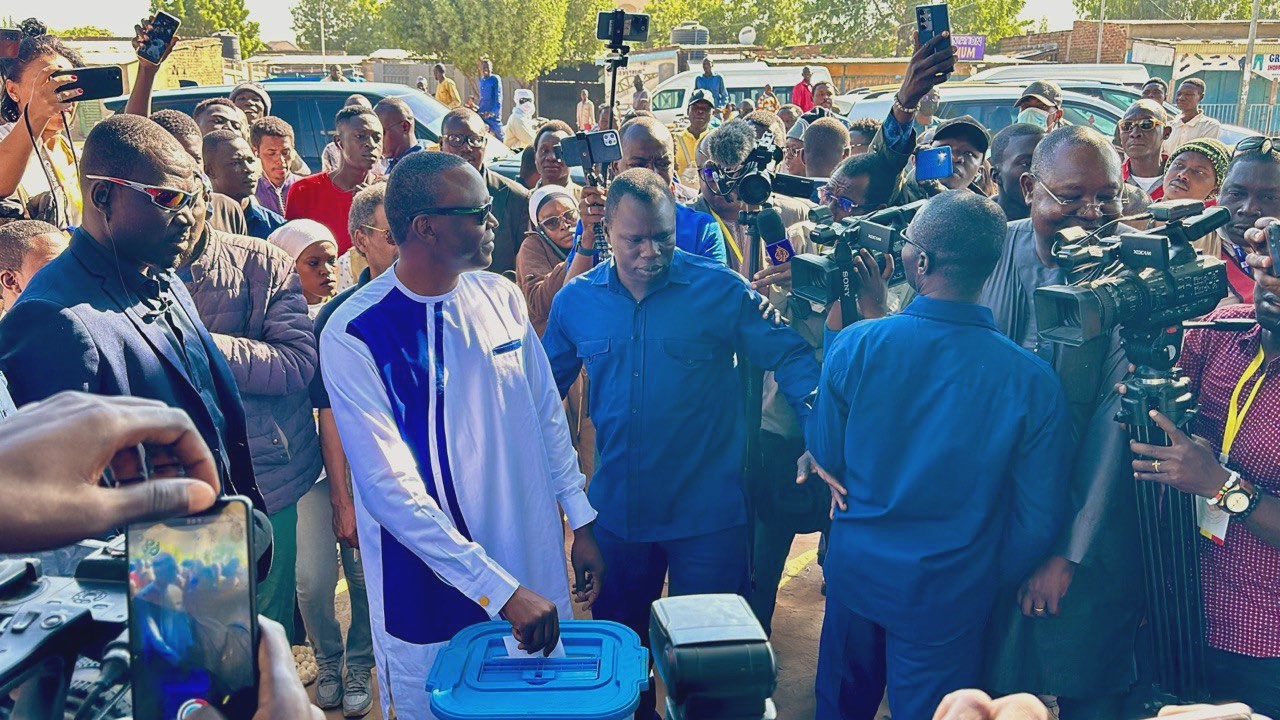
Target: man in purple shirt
272 142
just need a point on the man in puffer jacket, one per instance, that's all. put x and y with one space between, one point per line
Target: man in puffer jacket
249 297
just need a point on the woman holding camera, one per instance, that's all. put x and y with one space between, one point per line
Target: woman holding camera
38 167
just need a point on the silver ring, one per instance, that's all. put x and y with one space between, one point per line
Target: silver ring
1038 611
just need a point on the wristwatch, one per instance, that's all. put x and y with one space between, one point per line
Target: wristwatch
1237 498
580 250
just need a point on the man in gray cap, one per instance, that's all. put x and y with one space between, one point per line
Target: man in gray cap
252 99
793 153
1041 104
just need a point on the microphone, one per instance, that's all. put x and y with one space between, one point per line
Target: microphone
774 236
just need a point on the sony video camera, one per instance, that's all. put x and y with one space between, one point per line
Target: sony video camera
823 278
1158 280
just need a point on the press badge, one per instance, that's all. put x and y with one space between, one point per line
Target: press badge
1213 521
7 407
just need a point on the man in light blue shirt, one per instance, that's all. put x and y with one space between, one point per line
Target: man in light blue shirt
712 83
948 447
659 330
491 99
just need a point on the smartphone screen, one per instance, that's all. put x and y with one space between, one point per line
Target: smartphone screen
192 618
10 39
163 27
934 163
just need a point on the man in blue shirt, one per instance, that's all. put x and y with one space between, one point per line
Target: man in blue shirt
948 447
491 99
647 143
713 83
658 330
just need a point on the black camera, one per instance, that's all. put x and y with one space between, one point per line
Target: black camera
822 278
1158 280
47 622
755 180
619 26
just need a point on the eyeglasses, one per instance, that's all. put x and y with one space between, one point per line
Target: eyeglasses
1145 125
791 151
1074 206
371 228
1260 143
556 223
837 202
474 141
478 214
162 197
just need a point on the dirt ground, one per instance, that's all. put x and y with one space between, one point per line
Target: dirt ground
796 625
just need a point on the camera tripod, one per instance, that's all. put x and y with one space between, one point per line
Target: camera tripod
1167 526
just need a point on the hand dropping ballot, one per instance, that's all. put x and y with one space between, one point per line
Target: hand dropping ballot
514 651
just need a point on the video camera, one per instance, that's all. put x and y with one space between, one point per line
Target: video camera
823 278
1159 280
755 180
48 622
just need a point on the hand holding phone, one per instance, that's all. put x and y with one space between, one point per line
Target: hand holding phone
92 83
156 37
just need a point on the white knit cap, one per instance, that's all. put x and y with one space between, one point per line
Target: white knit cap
297 235
544 193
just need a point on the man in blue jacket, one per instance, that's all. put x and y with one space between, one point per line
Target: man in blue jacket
647 143
659 331
108 316
947 447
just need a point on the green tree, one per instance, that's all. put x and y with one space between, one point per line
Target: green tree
523 38
886 26
356 26
1189 10
84 31
203 18
580 43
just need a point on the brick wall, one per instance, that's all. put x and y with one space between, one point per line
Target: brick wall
198 60
1077 45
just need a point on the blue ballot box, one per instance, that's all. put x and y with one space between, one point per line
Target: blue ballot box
599 678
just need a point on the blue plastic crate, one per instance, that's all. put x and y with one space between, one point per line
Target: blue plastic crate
600 677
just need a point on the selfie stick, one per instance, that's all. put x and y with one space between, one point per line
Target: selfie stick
617 59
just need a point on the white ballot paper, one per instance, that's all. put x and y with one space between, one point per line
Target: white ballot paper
513 649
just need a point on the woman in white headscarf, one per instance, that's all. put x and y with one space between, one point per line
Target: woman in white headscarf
522 125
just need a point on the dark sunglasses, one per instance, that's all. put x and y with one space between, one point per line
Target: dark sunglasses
162 197
1145 125
556 223
837 202
478 214
1260 143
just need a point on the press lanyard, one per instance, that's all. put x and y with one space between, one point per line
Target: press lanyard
1235 418
728 237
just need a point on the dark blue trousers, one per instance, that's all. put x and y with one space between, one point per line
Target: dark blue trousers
634 573
857 659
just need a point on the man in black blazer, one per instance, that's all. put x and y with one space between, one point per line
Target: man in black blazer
464 134
108 316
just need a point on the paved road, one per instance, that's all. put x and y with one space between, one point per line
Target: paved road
797 623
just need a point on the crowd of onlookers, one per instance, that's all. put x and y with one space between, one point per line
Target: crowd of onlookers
266 251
